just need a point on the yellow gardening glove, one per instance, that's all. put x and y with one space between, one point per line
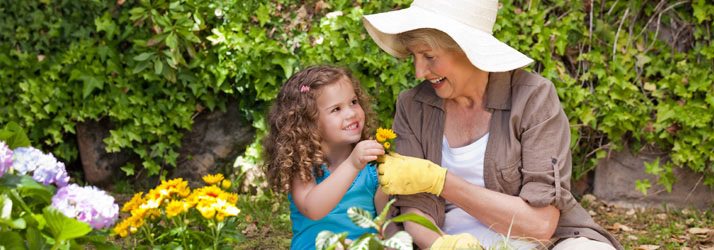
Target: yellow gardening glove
408 175
459 241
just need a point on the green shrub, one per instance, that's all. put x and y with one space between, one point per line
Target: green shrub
628 72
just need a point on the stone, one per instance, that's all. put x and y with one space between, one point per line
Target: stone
615 177
215 140
98 165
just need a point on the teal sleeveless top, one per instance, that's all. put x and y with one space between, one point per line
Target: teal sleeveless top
360 194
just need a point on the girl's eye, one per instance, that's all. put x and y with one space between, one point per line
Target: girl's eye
428 57
335 109
354 102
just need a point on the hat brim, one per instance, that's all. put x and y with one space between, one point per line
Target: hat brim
482 49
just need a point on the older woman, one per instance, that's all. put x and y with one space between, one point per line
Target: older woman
498 132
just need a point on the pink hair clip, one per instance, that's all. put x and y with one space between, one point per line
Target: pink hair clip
304 88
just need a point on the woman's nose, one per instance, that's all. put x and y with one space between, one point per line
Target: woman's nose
420 68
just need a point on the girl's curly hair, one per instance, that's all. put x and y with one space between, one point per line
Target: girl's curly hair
292 148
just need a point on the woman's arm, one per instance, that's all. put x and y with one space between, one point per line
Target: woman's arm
423 237
501 212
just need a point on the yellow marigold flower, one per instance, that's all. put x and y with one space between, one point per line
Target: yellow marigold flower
213 179
207 211
172 187
384 134
134 202
226 184
175 208
232 198
153 213
387 145
135 221
220 217
122 228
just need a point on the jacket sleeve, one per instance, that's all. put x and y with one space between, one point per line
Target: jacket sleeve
545 140
408 142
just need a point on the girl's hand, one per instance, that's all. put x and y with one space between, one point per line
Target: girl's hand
364 152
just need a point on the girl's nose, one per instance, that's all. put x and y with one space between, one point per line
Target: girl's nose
350 112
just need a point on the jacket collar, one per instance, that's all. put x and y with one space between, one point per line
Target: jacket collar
498 92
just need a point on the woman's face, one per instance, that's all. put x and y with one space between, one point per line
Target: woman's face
450 72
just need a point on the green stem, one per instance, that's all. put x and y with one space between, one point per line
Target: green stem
147 232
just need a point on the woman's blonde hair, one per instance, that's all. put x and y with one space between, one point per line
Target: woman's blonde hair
433 38
292 148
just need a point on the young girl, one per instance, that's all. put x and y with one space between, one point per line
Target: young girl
317 149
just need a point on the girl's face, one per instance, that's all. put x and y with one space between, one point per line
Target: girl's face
341 118
450 72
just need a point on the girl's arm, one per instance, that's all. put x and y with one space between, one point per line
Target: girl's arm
380 200
315 201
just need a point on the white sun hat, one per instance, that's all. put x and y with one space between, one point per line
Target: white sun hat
468 22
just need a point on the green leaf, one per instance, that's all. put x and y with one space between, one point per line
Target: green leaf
172 41
14 136
143 56
412 217
401 240
263 14
361 218
383 215
11 241
643 186
327 240
63 228
90 84
28 187
128 169
34 239
361 243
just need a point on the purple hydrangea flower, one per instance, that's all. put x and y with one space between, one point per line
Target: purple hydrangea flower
51 171
5 158
25 159
44 167
88 204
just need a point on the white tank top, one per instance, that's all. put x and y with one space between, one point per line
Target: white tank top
467 163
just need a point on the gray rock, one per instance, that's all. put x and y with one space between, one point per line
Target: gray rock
213 143
98 165
615 183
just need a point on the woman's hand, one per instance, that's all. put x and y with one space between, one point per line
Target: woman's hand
459 241
408 175
364 152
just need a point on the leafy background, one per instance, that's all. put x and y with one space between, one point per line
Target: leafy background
630 74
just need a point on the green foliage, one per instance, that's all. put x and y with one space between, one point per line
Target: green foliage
401 240
27 221
632 73
14 136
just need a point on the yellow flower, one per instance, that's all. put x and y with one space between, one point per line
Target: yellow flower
175 208
133 203
213 179
387 145
384 134
226 184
